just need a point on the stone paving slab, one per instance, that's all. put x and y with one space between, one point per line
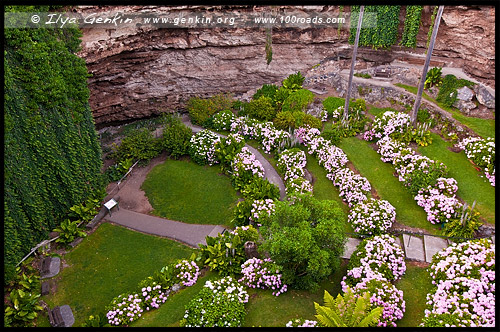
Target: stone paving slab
414 247
433 245
54 267
350 246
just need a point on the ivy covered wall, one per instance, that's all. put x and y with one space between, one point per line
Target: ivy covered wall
52 158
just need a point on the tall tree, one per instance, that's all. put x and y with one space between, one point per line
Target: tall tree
418 100
353 62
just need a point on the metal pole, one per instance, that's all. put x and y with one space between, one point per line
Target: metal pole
416 106
353 62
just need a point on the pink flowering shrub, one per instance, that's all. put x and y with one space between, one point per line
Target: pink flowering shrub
372 216
263 274
188 272
380 254
291 163
353 188
464 275
439 200
125 309
385 295
261 209
222 120
300 322
305 134
389 148
244 167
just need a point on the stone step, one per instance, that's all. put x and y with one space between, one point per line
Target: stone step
350 246
414 247
433 245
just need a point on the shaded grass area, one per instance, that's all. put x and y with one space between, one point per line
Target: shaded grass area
172 311
482 127
111 261
415 284
267 310
380 175
471 187
184 191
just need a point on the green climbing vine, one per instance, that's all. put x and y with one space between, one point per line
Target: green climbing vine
52 158
412 25
269 45
431 27
383 22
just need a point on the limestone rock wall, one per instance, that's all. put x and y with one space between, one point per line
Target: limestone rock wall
139 72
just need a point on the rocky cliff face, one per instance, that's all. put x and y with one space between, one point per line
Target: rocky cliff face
139 72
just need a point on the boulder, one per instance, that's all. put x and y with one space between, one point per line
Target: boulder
464 106
464 93
484 97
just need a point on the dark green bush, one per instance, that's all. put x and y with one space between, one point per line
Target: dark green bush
241 212
267 90
201 109
286 120
141 145
260 188
298 101
448 91
176 136
294 81
261 109
331 135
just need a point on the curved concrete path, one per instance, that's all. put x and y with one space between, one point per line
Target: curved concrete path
269 171
191 234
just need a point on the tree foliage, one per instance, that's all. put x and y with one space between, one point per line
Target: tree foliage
52 156
306 238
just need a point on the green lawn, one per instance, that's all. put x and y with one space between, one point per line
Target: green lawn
111 261
184 191
470 185
380 175
482 127
267 310
415 284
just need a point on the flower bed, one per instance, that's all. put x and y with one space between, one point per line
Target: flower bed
464 275
263 274
372 216
188 272
439 201
245 167
220 303
391 122
300 322
482 153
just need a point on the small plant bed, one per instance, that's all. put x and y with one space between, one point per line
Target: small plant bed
472 185
109 262
380 175
184 191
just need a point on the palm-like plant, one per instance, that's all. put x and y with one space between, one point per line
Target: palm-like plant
347 310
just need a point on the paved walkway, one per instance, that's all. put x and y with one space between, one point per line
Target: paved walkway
191 234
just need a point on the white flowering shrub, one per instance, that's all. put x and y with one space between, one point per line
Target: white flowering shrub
202 147
220 303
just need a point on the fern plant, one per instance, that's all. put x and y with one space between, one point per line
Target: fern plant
347 311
